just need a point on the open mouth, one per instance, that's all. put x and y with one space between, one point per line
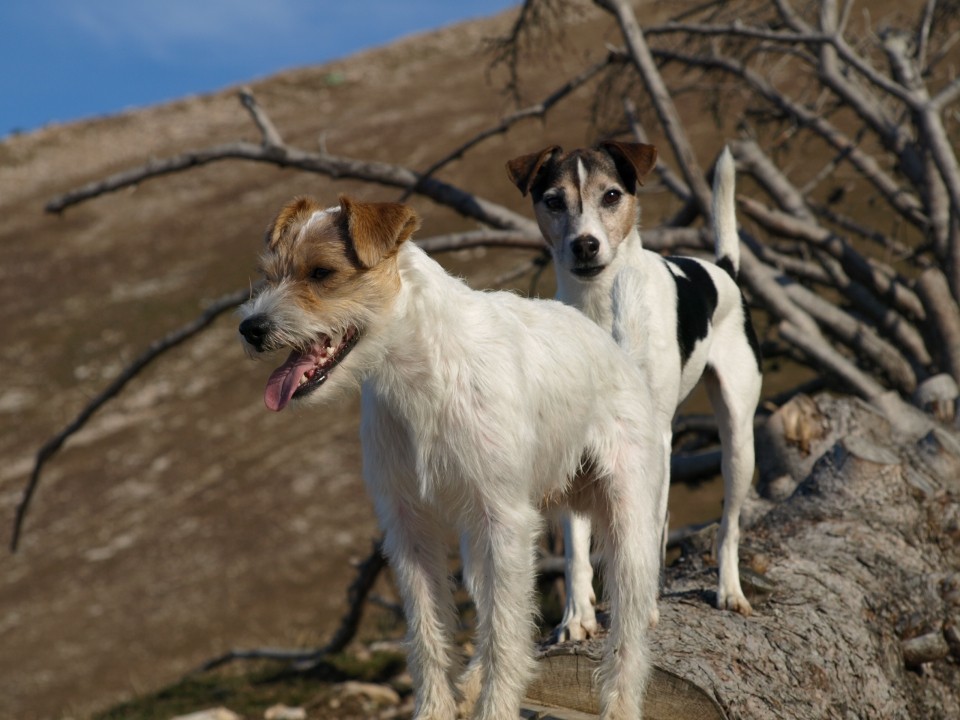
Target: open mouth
305 371
589 271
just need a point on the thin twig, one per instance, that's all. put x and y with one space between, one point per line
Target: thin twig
538 110
268 131
452 242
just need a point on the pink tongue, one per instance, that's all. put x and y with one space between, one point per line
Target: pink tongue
285 379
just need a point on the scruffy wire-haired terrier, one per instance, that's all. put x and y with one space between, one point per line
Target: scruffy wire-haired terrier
480 410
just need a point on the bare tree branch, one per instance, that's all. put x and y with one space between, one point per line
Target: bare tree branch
944 316
156 349
467 204
367 573
538 110
661 100
903 201
268 131
881 280
482 238
830 360
858 336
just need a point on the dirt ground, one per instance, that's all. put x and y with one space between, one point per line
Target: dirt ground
185 519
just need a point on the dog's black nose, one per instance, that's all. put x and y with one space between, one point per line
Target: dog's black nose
255 330
585 248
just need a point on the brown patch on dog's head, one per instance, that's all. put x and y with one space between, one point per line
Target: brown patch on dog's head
293 213
307 242
376 230
523 170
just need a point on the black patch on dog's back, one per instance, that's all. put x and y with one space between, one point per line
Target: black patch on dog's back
696 302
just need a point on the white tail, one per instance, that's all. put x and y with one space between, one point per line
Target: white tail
727 247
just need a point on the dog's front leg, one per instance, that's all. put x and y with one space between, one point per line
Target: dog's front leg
500 545
414 542
632 541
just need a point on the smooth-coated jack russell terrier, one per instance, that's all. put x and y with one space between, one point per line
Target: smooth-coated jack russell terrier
479 410
680 318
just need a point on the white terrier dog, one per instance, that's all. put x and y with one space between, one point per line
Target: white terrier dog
680 318
479 410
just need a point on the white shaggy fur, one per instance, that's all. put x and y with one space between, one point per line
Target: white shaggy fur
603 269
479 410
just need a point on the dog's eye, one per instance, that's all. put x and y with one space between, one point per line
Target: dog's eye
611 197
320 273
555 203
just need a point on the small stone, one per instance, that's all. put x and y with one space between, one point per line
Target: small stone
925 648
402 683
285 712
217 713
379 694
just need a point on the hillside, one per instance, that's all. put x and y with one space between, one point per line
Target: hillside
185 519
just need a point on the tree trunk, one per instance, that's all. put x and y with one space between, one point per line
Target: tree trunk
855 580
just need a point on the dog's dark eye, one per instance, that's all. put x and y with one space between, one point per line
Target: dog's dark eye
555 203
611 197
320 273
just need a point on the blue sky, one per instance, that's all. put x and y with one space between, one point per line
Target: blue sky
61 60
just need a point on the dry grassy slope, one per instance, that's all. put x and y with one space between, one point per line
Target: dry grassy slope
187 519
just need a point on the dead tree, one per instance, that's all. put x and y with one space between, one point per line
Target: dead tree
853 576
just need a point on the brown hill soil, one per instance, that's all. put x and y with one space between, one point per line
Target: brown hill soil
186 519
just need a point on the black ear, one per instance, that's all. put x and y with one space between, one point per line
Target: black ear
634 161
377 229
523 170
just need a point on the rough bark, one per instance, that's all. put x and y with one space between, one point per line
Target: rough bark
852 564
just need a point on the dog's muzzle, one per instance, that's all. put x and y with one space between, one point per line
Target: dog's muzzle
255 330
306 368
585 249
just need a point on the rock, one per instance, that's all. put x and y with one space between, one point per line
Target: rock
938 397
378 694
217 713
285 712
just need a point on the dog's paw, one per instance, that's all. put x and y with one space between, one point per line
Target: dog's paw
654 619
734 601
580 628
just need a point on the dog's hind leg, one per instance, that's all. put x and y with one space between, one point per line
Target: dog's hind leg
579 614
734 398
500 540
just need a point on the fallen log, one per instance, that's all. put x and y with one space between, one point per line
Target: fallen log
854 576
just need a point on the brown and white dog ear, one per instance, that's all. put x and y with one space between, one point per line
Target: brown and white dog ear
296 210
634 161
377 229
523 170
